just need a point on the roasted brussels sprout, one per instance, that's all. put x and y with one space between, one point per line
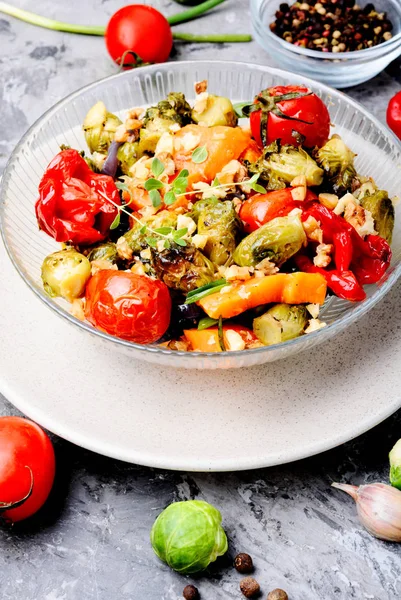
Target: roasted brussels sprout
100 127
188 536
174 109
182 268
104 251
382 209
65 274
337 161
127 155
219 222
218 111
280 323
279 165
277 240
136 238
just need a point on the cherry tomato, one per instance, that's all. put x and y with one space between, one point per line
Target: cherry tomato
261 208
394 114
139 29
129 306
27 467
305 113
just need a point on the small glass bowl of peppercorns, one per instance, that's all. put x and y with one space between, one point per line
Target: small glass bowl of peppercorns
338 42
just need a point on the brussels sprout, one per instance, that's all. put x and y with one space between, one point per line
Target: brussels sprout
136 238
104 251
280 323
277 240
100 127
127 155
219 222
337 161
174 109
218 111
395 465
188 536
279 165
182 268
65 274
382 209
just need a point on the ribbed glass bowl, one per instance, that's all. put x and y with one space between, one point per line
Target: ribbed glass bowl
339 70
378 156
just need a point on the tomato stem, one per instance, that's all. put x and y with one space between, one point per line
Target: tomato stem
33 19
219 38
9 505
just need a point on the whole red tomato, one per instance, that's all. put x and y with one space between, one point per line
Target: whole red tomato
284 110
262 208
394 114
129 306
27 467
139 29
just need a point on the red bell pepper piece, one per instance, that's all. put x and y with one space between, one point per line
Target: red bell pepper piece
343 250
73 205
344 284
370 264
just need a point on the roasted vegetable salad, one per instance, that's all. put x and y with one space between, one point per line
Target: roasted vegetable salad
209 226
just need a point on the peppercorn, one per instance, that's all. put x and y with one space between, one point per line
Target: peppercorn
243 563
191 593
249 587
277 594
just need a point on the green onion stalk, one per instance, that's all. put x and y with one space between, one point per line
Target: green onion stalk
182 17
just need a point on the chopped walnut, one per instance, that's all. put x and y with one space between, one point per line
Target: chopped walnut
169 166
313 231
313 310
141 169
160 245
138 268
175 127
77 309
201 86
102 265
232 172
266 267
180 345
208 191
299 193
201 102
343 203
145 254
133 124
234 273
360 219
123 249
234 341
121 134
328 200
165 145
200 241
185 222
323 258
315 325
299 181
135 113
187 142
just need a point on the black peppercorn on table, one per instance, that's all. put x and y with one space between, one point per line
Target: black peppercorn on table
91 540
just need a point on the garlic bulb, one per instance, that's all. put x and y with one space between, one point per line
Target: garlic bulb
379 508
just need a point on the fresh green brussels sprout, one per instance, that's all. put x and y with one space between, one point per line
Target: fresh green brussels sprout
218 111
65 274
395 465
174 109
382 209
279 165
277 240
182 268
337 161
104 251
188 536
219 222
127 155
136 238
100 127
280 323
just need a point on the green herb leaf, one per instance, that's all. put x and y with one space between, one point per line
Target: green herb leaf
167 244
155 198
157 167
215 182
116 221
182 174
163 230
120 185
169 198
200 154
152 242
153 184
239 109
180 242
205 290
180 232
258 188
207 322
143 229
221 335
253 179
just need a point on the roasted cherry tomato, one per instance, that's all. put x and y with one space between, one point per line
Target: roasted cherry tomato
27 467
262 208
138 32
129 306
74 201
394 114
286 111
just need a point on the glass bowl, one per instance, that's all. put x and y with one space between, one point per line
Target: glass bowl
378 156
339 70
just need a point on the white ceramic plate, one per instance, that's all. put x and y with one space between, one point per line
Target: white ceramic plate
194 420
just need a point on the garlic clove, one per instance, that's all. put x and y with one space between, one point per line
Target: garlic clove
379 508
